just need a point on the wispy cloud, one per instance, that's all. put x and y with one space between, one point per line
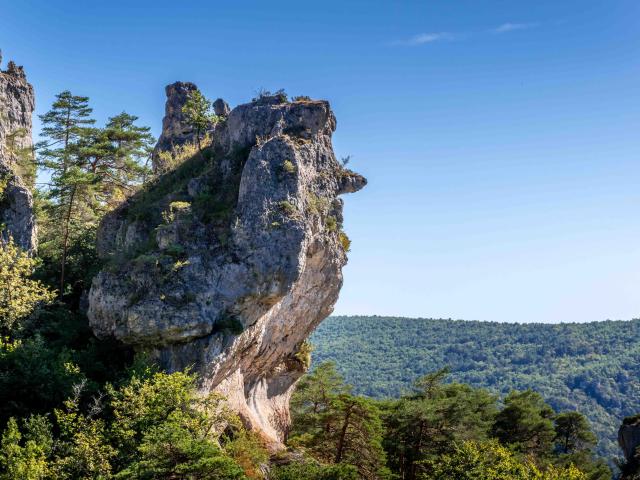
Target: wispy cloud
433 37
424 38
512 27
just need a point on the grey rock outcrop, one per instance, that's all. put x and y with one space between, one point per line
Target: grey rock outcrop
231 260
175 129
17 103
221 108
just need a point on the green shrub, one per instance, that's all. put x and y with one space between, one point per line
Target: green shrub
214 208
179 154
280 95
314 471
179 265
344 241
4 181
175 211
19 294
303 355
288 208
288 166
632 420
316 204
146 260
331 223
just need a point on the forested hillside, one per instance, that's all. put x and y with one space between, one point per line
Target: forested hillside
590 367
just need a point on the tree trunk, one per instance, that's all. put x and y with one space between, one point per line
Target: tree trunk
415 454
343 434
65 160
198 142
65 241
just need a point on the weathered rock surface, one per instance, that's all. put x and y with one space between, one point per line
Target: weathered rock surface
17 103
230 261
175 130
221 108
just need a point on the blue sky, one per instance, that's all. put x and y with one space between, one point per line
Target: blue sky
501 139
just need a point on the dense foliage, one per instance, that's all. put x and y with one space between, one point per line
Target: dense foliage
154 426
21 294
590 367
440 431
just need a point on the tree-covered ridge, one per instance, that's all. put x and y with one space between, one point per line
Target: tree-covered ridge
590 367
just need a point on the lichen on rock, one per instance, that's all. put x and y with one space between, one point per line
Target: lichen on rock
208 268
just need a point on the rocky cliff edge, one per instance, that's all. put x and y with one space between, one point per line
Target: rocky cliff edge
17 103
228 262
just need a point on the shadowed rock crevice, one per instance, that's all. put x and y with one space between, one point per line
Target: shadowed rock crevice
228 262
629 441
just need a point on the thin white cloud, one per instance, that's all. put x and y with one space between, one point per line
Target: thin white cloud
512 27
432 37
424 38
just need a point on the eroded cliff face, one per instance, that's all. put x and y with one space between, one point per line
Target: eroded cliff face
230 261
16 203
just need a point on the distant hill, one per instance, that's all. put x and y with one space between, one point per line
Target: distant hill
590 367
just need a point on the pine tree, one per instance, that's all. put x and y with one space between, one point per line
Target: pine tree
63 126
526 423
573 433
337 427
63 152
429 422
92 170
575 443
198 113
126 167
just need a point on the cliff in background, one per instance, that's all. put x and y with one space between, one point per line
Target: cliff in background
228 262
17 103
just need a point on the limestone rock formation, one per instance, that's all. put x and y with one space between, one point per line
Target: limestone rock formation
221 108
175 130
629 441
17 103
228 262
